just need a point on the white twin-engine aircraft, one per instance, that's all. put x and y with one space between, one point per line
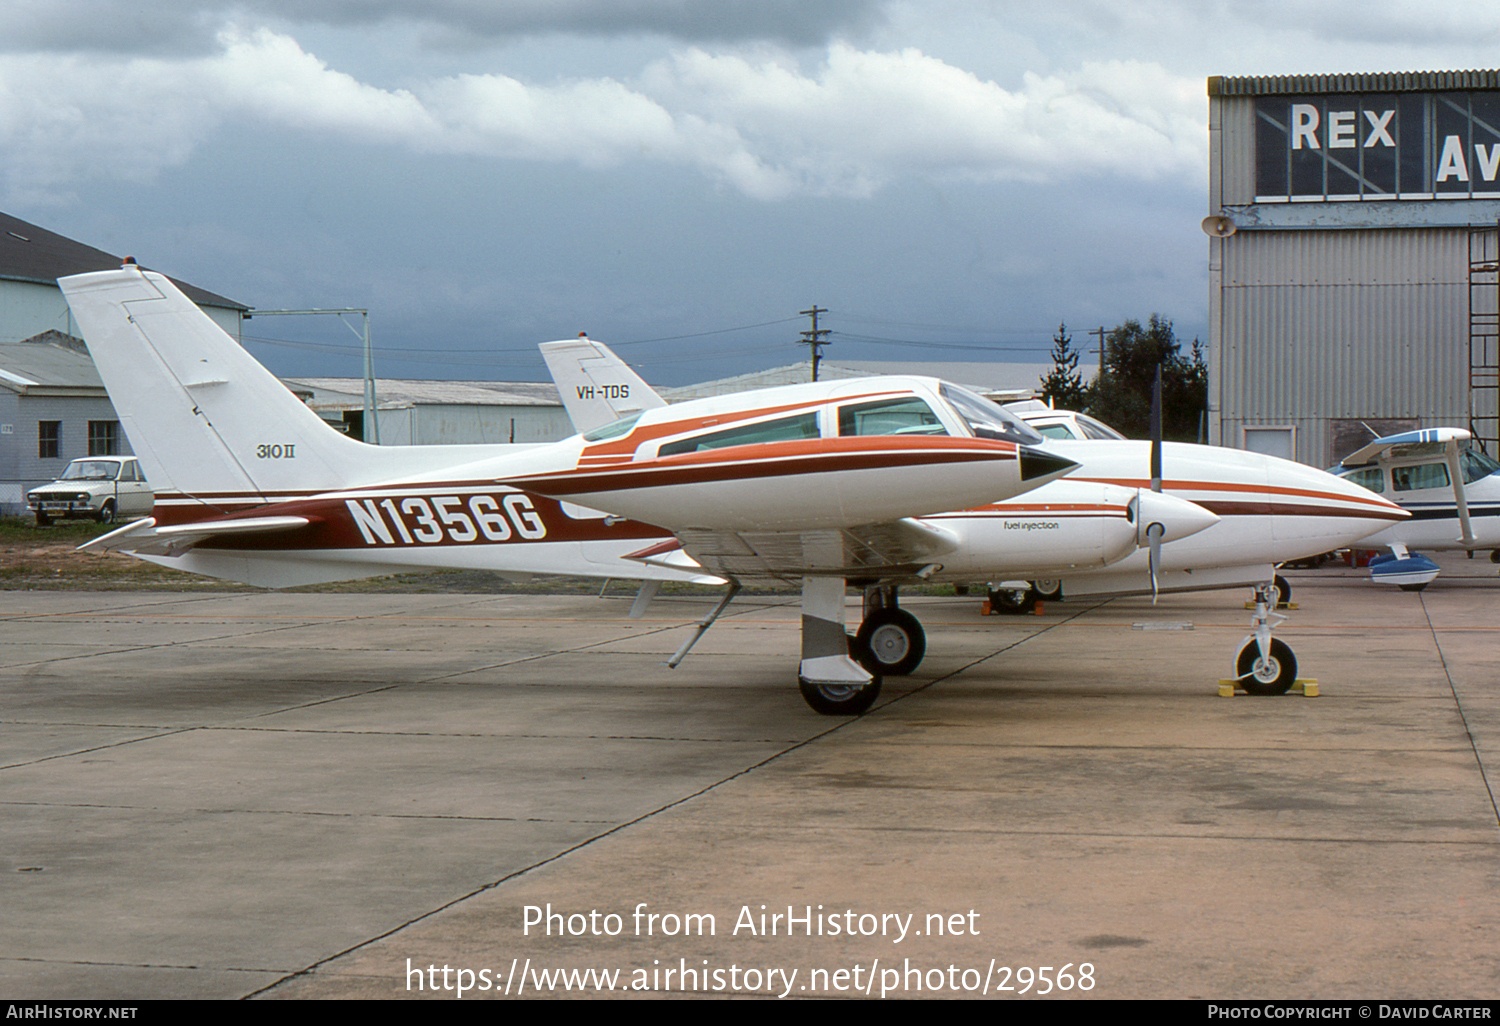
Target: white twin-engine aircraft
1229 516
252 486
823 482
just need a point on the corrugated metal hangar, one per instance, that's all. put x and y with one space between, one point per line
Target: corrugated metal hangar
1355 258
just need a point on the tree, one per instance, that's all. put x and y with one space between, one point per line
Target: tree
1121 394
1064 386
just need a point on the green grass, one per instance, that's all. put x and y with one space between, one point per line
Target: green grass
23 530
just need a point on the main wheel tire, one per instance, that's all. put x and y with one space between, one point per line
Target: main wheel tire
891 643
1272 675
1048 590
1012 602
106 514
1283 590
839 699
1413 587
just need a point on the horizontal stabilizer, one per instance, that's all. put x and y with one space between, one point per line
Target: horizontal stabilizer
144 536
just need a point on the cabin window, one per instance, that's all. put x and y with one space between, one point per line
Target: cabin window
1367 477
786 429
1426 475
908 415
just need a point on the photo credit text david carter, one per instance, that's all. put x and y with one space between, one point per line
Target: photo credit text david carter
986 973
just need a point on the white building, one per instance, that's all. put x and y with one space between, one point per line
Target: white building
1354 262
53 407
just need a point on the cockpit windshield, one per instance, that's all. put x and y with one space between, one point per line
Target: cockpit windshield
1477 465
614 429
987 419
90 470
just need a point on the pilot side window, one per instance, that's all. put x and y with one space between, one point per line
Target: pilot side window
1367 477
1427 475
787 429
906 416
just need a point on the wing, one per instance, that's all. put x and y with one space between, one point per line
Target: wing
899 549
1395 444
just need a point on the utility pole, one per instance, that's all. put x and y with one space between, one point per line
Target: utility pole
1100 333
371 425
814 338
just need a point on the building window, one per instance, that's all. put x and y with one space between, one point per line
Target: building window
48 439
104 438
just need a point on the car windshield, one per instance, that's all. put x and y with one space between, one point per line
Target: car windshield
987 419
90 470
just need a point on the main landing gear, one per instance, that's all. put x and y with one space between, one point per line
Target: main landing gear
1265 665
890 641
831 682
841 673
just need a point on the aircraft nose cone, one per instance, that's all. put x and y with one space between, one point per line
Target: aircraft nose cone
1179 517
1037 465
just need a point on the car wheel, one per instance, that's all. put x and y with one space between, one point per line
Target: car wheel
106 514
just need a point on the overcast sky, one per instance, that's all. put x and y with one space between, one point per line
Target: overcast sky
950 179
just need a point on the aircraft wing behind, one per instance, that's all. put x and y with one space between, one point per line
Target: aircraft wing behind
1427 436
595 385
901 548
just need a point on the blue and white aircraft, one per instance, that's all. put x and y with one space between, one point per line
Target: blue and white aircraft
1451 490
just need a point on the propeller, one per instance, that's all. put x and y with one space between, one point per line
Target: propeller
1154 531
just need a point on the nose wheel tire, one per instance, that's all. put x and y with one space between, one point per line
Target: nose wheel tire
1272 674
890 643
839 699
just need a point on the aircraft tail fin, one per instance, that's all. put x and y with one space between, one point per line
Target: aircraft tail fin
205 418
596 386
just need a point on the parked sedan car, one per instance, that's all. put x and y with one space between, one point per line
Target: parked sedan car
101 488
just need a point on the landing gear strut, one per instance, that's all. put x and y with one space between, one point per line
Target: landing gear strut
831 683
1265 665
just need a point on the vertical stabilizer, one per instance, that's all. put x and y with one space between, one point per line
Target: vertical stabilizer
596 386
203 416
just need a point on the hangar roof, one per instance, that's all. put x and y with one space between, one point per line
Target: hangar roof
1370 82
398 392
33 254
30 368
